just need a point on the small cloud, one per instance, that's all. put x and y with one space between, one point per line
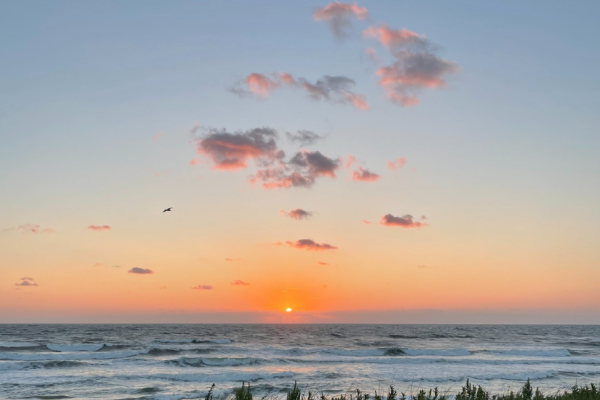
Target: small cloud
423 217
159 174
364 175
163 288
421 266
396 164
237 282
156 136
116 266
366 222
298 214
99 227
31 228
350 159
339 17
406 221
142 271
322 263
304 137
195 128
203 287
232 259
308 244
26 281
98 265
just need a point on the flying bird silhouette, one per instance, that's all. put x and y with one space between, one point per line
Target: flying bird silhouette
167 209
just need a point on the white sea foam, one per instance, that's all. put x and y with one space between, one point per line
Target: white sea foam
75 347
219 362
227 377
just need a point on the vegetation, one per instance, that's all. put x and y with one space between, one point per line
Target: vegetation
468 392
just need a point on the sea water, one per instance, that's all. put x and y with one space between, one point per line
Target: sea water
183 361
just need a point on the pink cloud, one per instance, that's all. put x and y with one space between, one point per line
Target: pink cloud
395 38
350 159
322 263
31 228
99 227
339 16
406 221
238 282
334 89
396 164
416 66
366 222
231 151
203 287
364 175
298 214
308 244
156 136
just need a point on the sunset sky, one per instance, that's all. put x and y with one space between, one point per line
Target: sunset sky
391 162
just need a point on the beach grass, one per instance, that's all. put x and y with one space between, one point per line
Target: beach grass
468 392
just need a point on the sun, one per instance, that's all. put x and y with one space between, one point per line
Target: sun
288 310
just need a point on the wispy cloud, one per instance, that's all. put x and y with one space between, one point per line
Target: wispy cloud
238 282
232 259
366 222
203 287
309 244
339 17
26 281
298 213
364 175
99 227
30 228
304 137
333 89
141 271
396 164
406 221
322 263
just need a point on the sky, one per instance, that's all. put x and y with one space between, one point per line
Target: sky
376 162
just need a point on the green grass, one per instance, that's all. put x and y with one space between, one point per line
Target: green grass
468 392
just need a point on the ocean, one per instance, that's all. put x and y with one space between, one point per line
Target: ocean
182 361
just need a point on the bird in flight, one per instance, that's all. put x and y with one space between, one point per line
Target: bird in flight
167 209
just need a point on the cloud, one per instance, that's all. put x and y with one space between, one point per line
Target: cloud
26 281
396 164
232 259
392 39
366 222
156 136
406 221
231 151
237 282
203 287
308 244
416 66
300 171
304 137
364 175
334 89
298 214
98 265
322 263
339 17
30 228
421 266
136 270
116 266
99 227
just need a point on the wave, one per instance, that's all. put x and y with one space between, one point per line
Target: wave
404 337
17 345
226 377
560 352
218 362
437 352
70 356
12 366
75 347
195 341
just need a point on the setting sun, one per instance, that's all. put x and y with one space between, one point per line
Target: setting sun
288 310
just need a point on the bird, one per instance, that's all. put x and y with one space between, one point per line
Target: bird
167 209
